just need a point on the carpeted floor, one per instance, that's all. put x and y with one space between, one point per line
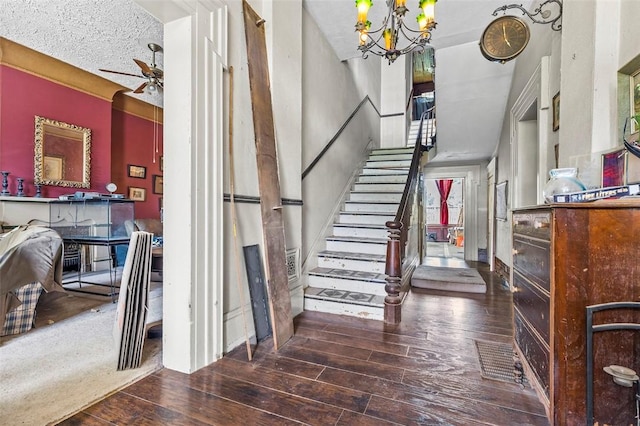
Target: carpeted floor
466 280
53 371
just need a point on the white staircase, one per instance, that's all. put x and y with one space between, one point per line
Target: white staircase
349 278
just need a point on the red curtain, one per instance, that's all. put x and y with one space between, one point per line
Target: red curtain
444 187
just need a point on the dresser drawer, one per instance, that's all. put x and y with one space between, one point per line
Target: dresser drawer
536 355
534 224
532 259
533 304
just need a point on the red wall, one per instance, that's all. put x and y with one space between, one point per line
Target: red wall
117 138
133 143
22 97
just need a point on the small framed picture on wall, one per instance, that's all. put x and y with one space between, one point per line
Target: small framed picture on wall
137 194
134 171
157 184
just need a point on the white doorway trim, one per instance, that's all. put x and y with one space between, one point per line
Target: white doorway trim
195 40
529 137
471 176
491 213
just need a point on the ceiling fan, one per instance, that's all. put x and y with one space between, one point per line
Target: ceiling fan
153 74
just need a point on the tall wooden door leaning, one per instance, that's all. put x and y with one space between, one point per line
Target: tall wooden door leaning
268 180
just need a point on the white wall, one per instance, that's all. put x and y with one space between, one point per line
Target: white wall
543 42
598 39
394 95
331 91
282 18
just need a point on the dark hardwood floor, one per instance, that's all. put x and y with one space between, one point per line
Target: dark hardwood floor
347 371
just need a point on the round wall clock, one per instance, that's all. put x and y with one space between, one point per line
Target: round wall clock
504 39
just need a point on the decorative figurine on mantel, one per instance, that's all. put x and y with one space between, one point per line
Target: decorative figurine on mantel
20 187
5 184
38 191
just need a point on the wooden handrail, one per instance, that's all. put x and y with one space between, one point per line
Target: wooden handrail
338 133
398 228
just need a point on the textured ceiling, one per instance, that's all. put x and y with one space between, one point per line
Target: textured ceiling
88 34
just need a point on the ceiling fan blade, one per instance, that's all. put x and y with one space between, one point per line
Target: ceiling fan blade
144 67
140 88
121 73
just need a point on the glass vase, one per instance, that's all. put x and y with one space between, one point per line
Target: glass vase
562 181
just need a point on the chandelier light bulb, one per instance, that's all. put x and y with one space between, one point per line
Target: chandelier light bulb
363 8
363 37
388 39
422 22
429 9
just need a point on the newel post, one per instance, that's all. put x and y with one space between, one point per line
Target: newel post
393 269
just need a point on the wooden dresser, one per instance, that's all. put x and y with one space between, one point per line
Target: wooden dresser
567 257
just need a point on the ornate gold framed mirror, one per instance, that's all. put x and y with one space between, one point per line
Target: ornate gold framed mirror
62 154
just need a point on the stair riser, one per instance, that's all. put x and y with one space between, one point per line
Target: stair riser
368 312
385 171
373 219
376 196
389 163
383 157
379 187
393 179
347 285
343 231
352 265
370 207
354 247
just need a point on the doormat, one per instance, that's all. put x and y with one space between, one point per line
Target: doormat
466 280
498 361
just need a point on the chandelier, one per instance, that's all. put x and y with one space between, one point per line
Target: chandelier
387 41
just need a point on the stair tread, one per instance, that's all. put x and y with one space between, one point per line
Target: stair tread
347 274
357 239
352 256
370 202
342 296
380 183
370 213
360 225
376 192
377 166
390 149
383 174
